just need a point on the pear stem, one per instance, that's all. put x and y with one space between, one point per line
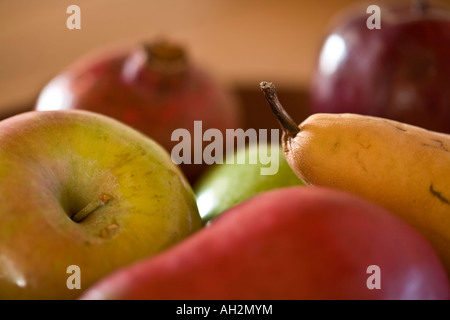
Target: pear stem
288 125
91 207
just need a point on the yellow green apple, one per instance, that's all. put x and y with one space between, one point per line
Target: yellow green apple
81 189
223 186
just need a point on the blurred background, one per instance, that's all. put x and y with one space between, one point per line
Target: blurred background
240 42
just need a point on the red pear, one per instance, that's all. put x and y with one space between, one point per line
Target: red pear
290 243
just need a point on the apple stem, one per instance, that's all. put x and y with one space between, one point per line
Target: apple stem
91 207
288 125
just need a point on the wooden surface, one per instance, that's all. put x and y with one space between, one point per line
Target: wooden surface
241 42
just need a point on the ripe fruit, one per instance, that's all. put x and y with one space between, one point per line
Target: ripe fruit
79 188
226 185
399 166
289 243
155 88
399 72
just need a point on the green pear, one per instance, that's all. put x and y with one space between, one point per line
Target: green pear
81 195
223 186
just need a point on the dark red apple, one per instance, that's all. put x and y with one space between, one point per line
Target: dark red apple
155 88
400 71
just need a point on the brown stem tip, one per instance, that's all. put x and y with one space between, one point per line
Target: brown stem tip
288 125
166 57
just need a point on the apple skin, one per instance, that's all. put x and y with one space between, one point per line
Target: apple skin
52 164
223 186
155 88
399 72
289 243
